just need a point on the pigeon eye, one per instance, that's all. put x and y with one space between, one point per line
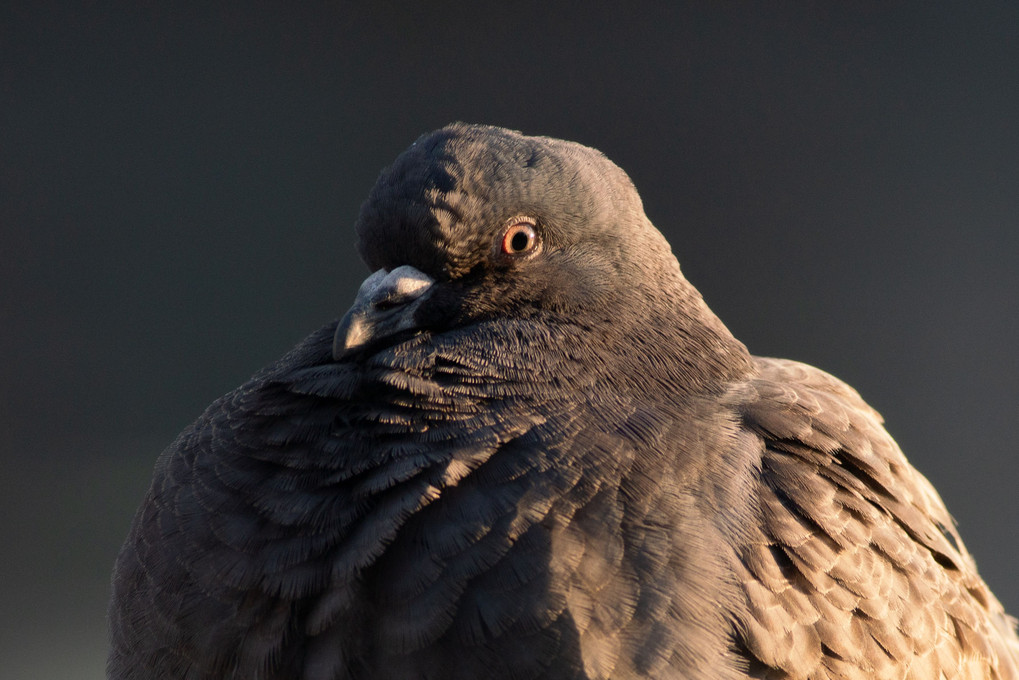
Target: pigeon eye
519 238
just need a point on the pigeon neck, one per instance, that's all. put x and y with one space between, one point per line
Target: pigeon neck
683 345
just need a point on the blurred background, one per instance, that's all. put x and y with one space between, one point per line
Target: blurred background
178 183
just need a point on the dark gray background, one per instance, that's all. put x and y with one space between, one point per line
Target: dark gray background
178 184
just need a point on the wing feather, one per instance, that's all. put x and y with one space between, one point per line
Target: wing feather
857 571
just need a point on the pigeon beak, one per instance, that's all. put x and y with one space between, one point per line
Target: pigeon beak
384 306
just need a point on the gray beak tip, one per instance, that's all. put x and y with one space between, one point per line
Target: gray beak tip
385 305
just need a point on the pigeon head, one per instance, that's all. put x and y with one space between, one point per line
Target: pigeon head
475 222
535 222
444 203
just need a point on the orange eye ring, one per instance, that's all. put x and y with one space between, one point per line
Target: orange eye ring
519 238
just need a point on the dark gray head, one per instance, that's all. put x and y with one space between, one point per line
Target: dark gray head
509 225
442 205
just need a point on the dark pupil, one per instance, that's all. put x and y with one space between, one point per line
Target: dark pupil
519 241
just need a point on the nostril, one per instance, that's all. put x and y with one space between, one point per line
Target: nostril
409 281
391 301
400 286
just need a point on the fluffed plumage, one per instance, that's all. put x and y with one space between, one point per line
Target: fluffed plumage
531 451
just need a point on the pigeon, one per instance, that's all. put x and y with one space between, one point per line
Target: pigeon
530 451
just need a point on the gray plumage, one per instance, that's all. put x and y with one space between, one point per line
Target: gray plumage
531 451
